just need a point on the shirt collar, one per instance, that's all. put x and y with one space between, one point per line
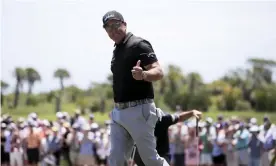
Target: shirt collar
128 35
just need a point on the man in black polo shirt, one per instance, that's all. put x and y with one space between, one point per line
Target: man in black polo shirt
161 133
134 66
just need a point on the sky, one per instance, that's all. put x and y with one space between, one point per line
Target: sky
209 37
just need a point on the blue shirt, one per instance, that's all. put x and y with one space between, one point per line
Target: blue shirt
54 144
255 147
217 150
8 143
86 147
243 139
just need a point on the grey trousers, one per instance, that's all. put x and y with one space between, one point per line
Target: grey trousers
134 124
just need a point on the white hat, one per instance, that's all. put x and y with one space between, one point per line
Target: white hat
46 122
94 126
209 120
86 127
254 128
33 115
253 121
59 114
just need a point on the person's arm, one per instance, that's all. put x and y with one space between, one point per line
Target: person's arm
152 69
188 114
171 119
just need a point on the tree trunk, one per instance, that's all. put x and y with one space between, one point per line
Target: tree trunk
58 104
29 93
16 95
61 84
2 99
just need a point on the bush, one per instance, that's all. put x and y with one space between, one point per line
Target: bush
32 101
242 105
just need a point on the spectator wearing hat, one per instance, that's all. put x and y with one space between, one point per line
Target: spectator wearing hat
65 145
16 153
191 146
268 137
73 140
255 146
46 157
78 118
241 145
33 145
229 148
5 157
55 144
206 149
102 148
218 152
86 154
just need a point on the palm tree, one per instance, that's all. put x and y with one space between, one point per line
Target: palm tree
19 74
4 86
31 76
61 74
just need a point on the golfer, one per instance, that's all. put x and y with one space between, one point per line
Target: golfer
134 66
161 133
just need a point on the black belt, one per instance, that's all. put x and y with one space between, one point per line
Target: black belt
125 105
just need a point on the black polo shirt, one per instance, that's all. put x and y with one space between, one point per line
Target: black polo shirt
125 56
162 138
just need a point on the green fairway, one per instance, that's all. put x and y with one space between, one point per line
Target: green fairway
46 111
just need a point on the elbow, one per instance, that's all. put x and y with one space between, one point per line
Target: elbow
161 73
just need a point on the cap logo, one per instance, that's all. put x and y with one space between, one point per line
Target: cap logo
108 16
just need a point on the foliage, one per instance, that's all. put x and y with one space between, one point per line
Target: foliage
242 89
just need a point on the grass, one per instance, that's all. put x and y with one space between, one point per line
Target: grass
46 111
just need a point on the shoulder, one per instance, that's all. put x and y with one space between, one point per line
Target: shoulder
138 42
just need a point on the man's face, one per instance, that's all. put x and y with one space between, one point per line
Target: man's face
116 30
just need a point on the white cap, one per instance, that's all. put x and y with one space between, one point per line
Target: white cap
253 121
33 115
59 114
209 119
94 126
254 128
46 122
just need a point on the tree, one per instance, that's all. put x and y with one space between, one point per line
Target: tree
20 75
4 86
31 76
61 74
262 70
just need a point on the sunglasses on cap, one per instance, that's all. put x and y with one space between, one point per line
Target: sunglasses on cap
112 26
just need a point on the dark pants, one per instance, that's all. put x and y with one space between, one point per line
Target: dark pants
67 157
57 156
179 159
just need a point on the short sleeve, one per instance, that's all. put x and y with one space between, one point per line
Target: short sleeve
146 53
168 120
